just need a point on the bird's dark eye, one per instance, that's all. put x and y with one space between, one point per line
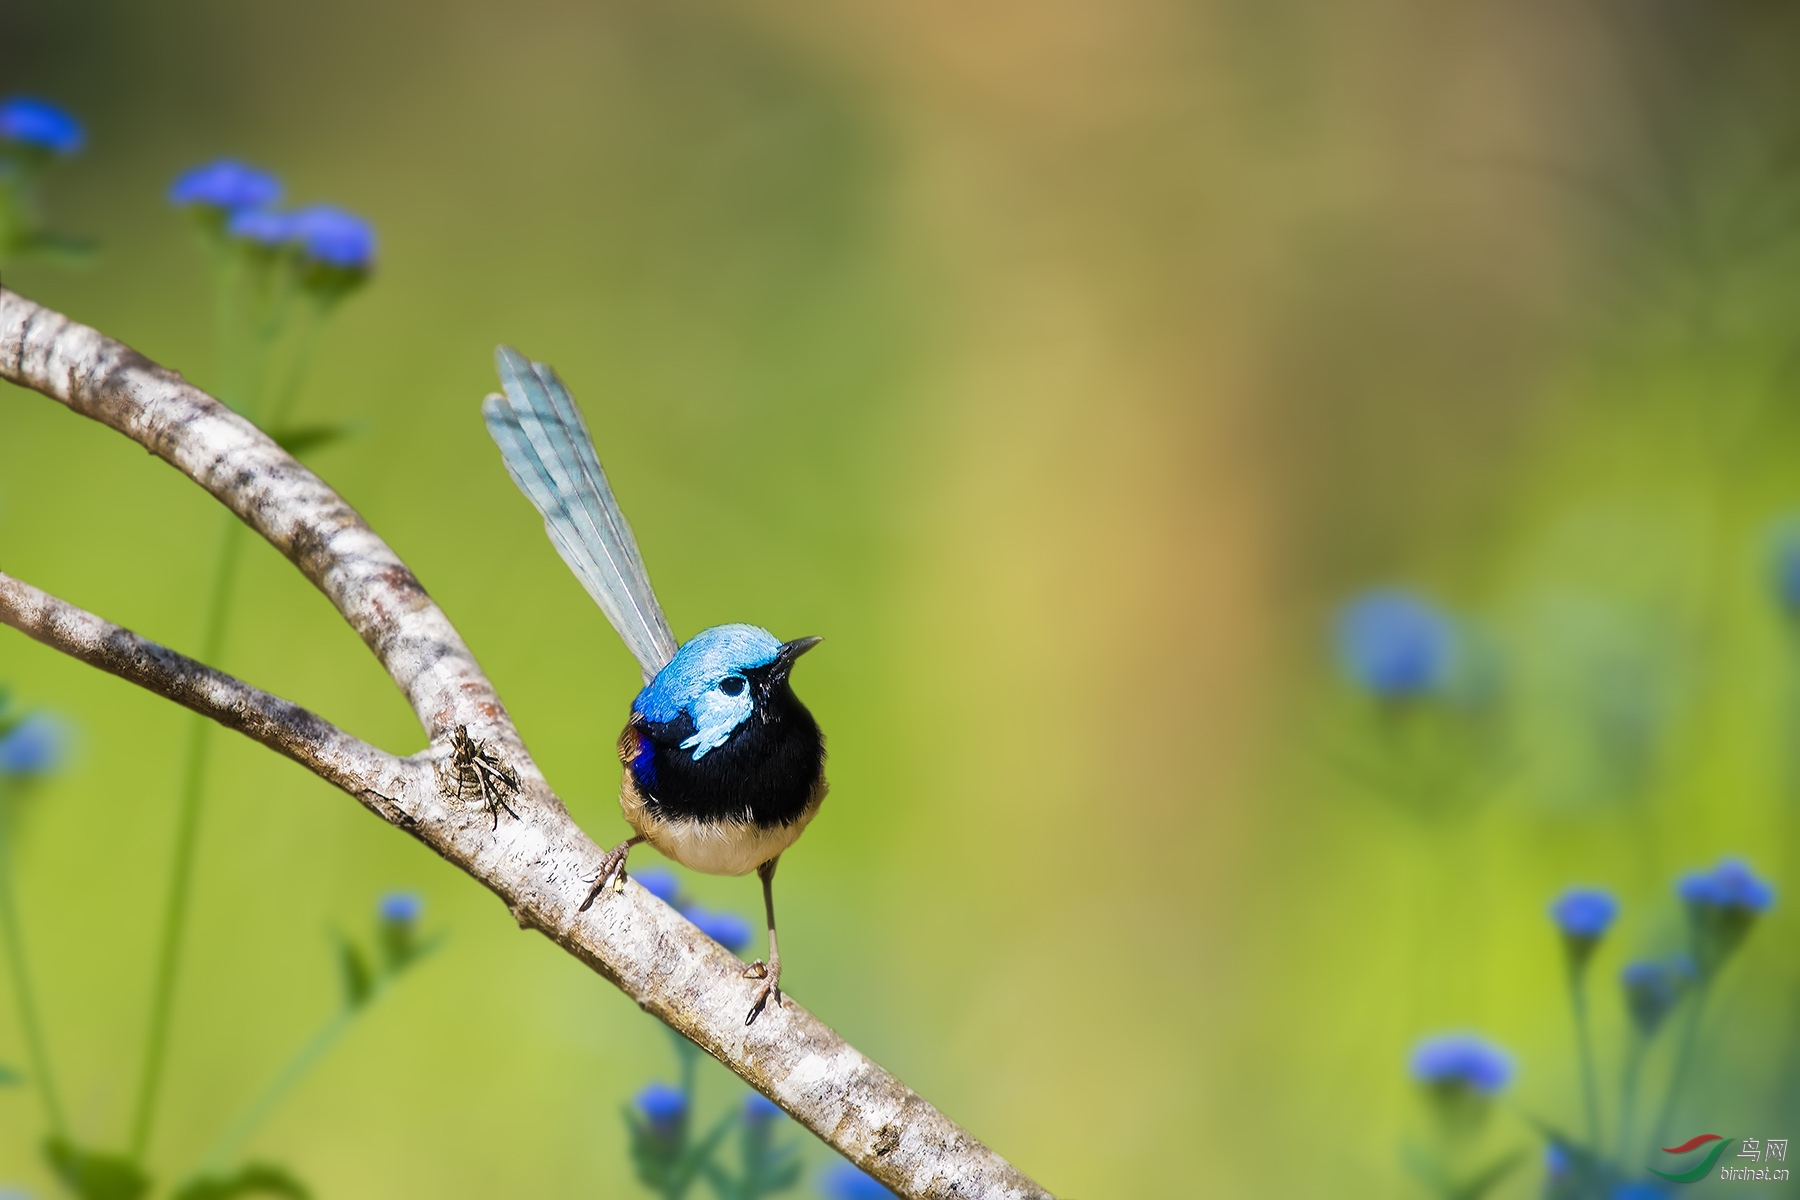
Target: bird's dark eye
731 685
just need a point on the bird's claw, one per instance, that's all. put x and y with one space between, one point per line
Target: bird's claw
770 989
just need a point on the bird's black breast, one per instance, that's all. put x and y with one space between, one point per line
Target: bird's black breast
766 773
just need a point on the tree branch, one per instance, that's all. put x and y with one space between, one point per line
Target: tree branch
285 728
540 865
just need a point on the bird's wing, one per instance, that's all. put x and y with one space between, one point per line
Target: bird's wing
550 455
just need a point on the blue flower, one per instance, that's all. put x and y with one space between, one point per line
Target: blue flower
1722 906
1461 1060
401 908
35 746
1653 989
1638 1191
659 883
1730 886
728 929
1395 644
333 237
397 928
845 1182
262 227
227 185
1584 913
40 125
758 1109
1556 1161
661 1105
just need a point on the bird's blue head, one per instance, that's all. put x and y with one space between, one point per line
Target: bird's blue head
720 678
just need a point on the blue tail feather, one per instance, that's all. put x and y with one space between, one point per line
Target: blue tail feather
550 455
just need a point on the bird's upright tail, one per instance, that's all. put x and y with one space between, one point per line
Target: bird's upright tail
550 455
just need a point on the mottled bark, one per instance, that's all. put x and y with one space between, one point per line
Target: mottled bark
539 864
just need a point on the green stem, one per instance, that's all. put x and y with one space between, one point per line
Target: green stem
305 346
24 994
272 290
18 204
1584 1047
1628 1095
1684 1055
227 279
305 1059
310 1054
187 836
687 1058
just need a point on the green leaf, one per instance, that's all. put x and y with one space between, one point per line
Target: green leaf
10 1076
61 250
252 1179
302 438
1485 1181
92 1175
770 1180
359 980
401 955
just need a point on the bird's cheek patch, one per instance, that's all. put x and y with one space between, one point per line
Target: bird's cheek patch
716 716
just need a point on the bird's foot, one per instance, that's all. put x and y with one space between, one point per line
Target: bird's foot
770 974
612 871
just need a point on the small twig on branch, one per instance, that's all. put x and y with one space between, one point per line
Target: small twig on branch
541 864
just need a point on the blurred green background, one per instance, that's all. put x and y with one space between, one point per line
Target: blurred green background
1064 364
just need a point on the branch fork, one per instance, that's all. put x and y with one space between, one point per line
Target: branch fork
450 795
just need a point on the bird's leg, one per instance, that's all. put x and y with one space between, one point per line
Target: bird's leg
610 866
771 973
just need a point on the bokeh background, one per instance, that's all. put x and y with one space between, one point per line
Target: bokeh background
1065 364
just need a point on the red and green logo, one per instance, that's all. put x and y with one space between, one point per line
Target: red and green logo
1701 1169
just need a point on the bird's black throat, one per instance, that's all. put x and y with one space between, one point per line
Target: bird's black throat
765 773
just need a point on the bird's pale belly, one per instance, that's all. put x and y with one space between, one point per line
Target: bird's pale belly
713 847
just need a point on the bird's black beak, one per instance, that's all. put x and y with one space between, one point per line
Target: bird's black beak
770 678
784 657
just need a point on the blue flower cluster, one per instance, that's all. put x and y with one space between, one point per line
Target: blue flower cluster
1653 989
1395 644
238 199
1462 1070
759 1109
226 185
1462 1060
669 1158
401 908
728 929
397 918
1722 905
33 746
34 133
659 882
845 1182
40 125
1729 886
663 1106
1436 738
1584 913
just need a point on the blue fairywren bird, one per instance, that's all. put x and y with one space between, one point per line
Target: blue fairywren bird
724 767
